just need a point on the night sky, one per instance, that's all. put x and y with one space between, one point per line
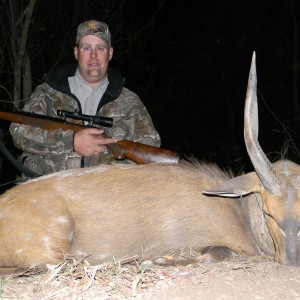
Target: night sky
189 63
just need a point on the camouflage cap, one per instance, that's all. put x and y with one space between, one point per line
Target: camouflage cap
93 27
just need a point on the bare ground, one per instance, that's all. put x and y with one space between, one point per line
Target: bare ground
240 278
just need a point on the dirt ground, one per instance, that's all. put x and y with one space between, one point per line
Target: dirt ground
240 278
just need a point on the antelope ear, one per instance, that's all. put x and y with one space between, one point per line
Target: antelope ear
236 187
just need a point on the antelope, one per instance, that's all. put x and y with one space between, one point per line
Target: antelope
112 212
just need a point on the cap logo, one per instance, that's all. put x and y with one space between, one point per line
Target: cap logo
92 25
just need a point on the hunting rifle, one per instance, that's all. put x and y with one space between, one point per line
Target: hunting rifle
137 152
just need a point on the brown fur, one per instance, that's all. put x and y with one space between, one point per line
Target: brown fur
113 212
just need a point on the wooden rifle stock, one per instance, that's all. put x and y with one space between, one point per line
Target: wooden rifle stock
137 152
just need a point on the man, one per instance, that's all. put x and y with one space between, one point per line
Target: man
91 88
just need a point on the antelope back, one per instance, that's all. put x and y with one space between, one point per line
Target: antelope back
115 212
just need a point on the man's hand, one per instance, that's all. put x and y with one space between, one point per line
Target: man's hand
88 142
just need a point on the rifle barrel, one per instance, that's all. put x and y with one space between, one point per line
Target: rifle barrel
137 152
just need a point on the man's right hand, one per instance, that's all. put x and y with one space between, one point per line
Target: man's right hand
88 142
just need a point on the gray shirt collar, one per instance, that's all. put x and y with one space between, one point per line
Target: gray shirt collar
88 97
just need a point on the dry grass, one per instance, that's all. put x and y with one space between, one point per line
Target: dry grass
128 279
74 278
77 279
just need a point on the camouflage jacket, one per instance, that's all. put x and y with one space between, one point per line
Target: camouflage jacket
48 151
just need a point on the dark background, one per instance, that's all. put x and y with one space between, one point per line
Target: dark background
189 63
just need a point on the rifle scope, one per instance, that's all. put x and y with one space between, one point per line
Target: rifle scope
91 120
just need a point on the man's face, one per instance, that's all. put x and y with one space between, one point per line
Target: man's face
93 56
